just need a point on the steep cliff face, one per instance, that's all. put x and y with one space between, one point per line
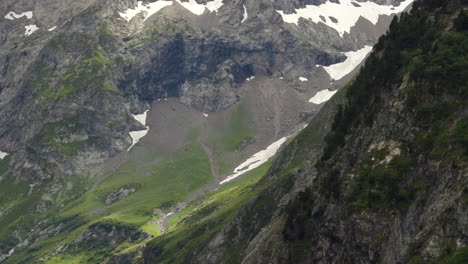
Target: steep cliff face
388 182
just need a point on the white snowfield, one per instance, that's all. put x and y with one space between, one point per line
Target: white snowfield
12 15
322 96
30 29
303 79
137 135
256 160
245 14
150 9
354 58
347 12
199 9
3 155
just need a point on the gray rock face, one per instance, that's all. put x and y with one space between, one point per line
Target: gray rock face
66 95
121 193
105 235
289 6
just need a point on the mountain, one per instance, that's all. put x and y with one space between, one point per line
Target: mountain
378 176
124 120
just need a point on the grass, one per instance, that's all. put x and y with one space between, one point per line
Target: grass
68 259
98 57
174 178
4 164
11 191
164 180
224 195
205 216
151 228
92 73
232 131
457 257
239 128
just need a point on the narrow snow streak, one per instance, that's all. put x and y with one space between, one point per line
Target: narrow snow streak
3 155
30 29
245 14
322 96
137 135
256 160
354 58
345 12
52 28
12 15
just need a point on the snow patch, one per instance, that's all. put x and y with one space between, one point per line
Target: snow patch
245 14
250 78
205 114
137 135
12 15
3 155
345 13
30 29
149 9
199 9
353 59
302 79
256 160
322 96
52 28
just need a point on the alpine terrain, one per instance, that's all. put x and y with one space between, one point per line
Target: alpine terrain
233 131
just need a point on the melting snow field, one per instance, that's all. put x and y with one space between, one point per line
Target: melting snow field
30 29
152 8
256 160
28 14
3 155
347 12
245 14
354 58
322 96
12 15
137 135
199 9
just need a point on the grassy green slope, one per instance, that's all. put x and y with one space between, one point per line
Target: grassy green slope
162 181
204 217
